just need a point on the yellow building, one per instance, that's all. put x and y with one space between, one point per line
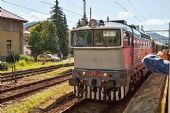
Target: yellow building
11 32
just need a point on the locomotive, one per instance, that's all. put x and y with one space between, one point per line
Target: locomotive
107 59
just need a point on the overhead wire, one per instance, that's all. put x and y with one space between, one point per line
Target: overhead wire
73 4
133 6
62 8
127 10
24 7
11 3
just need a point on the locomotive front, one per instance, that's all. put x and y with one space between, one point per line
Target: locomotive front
100 65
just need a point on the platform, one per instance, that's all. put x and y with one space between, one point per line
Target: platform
149 97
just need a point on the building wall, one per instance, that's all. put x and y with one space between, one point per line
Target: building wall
15 41
11 30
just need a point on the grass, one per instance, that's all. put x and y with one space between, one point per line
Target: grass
39 64
31 102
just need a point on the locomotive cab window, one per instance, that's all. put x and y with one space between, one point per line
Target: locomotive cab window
81 38
112 37
97 38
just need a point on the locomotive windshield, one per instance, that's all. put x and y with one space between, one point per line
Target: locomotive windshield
97 38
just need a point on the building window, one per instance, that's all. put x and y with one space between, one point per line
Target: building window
9 42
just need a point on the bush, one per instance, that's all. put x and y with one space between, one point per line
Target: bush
21 63
3 66
27 58
11 58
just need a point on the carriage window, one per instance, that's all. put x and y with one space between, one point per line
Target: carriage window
81 38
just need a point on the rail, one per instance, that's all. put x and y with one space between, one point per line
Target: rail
4 77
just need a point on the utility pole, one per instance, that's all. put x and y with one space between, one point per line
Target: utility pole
84 16
90 13
169 75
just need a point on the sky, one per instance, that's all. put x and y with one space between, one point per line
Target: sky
152 14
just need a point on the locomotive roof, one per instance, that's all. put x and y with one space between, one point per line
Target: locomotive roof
108 25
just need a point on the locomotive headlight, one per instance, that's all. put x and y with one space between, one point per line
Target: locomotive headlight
105 74
83 73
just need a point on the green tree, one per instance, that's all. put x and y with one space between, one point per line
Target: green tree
36 42
59 20
44 38
80 23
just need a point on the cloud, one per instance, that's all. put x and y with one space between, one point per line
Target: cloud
155 21
125 14
34 16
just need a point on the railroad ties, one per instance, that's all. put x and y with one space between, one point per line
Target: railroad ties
146 97
8 76
29 88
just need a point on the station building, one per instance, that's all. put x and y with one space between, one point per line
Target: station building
11 33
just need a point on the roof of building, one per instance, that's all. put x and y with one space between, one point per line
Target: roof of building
6 14
30 24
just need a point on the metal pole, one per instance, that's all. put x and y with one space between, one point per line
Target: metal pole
169 36
90 13
169 75
84 16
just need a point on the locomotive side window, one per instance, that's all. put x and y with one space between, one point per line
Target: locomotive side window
127 40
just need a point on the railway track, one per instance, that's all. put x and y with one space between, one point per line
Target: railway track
23 90
8 76
99 106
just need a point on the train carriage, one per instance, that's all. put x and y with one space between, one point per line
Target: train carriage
107 58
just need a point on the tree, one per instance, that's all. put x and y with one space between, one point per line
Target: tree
80 23
59 20
44 38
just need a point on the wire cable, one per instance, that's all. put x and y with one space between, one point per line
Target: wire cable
61 8
24 7
135 8
127 10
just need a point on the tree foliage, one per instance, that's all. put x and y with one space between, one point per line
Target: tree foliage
80 23
44 38
60 21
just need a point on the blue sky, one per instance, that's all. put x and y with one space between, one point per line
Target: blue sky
152 14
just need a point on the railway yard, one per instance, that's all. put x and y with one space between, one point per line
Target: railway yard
105 57
47 90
